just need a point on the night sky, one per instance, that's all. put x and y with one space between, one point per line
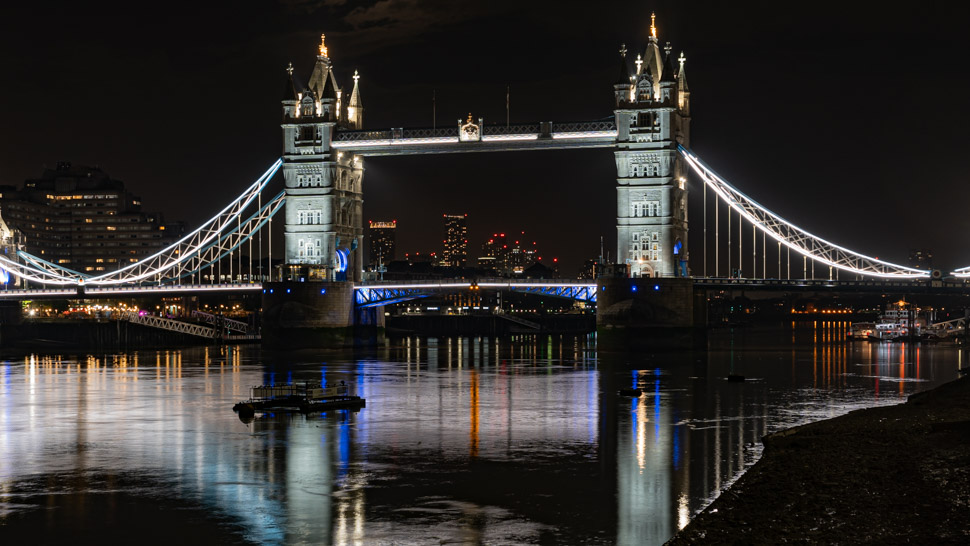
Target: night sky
847 120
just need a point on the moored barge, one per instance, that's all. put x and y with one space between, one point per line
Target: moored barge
302 397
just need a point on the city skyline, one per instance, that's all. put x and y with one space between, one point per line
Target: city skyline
813 81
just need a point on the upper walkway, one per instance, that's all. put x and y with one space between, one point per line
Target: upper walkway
488 138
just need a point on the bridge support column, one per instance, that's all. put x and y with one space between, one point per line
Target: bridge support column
650 314
316 315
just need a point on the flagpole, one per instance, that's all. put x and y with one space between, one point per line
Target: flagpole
507 98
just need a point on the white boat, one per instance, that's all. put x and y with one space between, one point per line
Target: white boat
897 323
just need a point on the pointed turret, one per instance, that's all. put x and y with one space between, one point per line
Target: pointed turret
291 93
321 70
624 76
669 74
652 58
683 92
355 108
622 89
668 81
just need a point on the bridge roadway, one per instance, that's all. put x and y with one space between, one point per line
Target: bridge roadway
388 292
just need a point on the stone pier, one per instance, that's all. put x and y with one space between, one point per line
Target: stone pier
317 315
650 313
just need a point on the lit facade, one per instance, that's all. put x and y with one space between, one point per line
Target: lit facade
652 118
455 252
381 237
11 242
81 219
324 203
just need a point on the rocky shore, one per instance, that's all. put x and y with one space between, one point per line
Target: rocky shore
897 474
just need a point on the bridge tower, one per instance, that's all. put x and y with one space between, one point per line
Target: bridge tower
324 230
652 118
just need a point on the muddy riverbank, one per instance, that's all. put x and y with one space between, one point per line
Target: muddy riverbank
896 474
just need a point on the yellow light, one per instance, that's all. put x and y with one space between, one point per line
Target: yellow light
323 45
653 26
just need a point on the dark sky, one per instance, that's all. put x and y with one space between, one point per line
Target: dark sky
846 118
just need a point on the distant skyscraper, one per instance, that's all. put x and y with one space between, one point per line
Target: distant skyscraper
456 240
508 255
382 237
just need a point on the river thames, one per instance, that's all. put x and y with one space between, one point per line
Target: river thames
463 440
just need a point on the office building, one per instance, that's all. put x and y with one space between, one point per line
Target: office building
382 237
455 252
79 218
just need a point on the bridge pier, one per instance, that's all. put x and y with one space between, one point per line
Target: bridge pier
650 314
317 315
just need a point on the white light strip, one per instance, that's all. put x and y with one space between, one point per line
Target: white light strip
97 292
506 138
709 177
534 285
585 134
360 144
429 141
433 140
411 286
31 273
168 288
18 294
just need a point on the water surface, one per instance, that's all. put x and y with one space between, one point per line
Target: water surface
462 441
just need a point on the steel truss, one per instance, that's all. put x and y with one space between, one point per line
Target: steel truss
220 321
171 325
962 273
377 295
223 231
579 292
227 242
795 238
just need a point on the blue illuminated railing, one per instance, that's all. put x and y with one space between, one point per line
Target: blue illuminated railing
386 294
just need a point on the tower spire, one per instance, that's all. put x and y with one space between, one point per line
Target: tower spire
653 26
323 46
355 108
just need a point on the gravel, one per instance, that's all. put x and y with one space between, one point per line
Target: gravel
897 474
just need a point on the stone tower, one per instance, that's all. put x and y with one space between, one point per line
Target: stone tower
652 118
324 232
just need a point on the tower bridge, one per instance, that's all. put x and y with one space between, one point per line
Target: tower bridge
325 147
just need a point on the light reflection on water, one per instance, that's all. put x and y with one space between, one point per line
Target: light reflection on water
463 440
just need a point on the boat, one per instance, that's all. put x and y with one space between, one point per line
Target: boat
304 397
897 323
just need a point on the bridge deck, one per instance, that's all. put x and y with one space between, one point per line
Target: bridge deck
534 136
576 289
